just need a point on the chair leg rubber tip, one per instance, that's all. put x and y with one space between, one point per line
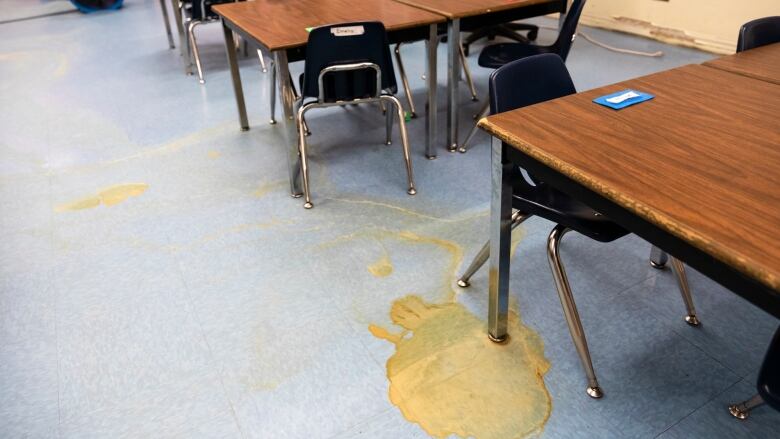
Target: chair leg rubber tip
462 150
463 283
594 392
307 205
412 191
656 265
430 157
692 320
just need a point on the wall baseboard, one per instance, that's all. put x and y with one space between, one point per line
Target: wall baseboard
667 35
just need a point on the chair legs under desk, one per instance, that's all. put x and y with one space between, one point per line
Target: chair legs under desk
567 298
194 48
767 385
167 21
405 80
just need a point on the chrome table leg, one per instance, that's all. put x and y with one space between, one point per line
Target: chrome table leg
570 308
453 66
682 281
235 74
500 242
272 93
287 95
179 27
167 20
658 258
430 110
262 60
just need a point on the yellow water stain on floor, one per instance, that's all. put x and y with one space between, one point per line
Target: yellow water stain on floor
266 188
449 378
383 267
110 196
214 154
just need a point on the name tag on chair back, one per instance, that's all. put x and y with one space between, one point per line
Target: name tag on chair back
347 31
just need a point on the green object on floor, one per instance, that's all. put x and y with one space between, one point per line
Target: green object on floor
407 116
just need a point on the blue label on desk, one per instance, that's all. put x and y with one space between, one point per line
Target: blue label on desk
623 99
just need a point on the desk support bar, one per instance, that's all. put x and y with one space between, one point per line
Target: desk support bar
235 74
288 98
431 77
453 65
500 242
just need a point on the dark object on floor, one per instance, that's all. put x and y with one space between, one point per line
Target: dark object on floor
509 30
768 383
87 6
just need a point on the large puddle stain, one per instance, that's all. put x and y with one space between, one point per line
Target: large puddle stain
449 378
110 196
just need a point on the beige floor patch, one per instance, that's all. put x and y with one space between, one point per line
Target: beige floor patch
109 197
449 378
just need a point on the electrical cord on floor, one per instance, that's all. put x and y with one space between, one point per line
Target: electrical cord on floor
611 48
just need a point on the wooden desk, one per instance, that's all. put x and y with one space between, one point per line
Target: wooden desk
280 27
695 171
761 63
472 14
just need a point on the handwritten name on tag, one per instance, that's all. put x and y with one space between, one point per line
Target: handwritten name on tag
347 31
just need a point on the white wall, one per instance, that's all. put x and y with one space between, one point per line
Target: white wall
711 25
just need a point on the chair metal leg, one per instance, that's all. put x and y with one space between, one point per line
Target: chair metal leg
304 158
570 308
167 20
195 51
658 258
484 253
484 112
272 91
262 60
404 141
742 410
389 118
405 80
467 72
682 281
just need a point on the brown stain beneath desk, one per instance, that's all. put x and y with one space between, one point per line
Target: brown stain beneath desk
110 196
449 378
214 154
265 188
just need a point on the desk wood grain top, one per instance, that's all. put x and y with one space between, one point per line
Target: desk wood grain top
466 8
700 161
760 63
279 24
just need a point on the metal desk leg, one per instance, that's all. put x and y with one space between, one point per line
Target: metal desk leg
500 242
288 98
179 27
236 75
167 20
453 75
431 110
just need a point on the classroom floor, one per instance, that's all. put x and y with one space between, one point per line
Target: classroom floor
157 280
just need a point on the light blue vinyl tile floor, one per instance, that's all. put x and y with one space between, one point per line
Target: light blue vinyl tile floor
213 305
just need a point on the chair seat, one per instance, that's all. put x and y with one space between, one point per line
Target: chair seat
769 377
549 203
497 55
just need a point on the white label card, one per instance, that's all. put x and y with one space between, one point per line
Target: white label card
624 97
347 31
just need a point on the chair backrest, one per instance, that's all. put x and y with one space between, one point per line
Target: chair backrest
201 9
759 33
529 81
348 43
568 31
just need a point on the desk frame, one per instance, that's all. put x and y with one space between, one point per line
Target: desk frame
504 156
